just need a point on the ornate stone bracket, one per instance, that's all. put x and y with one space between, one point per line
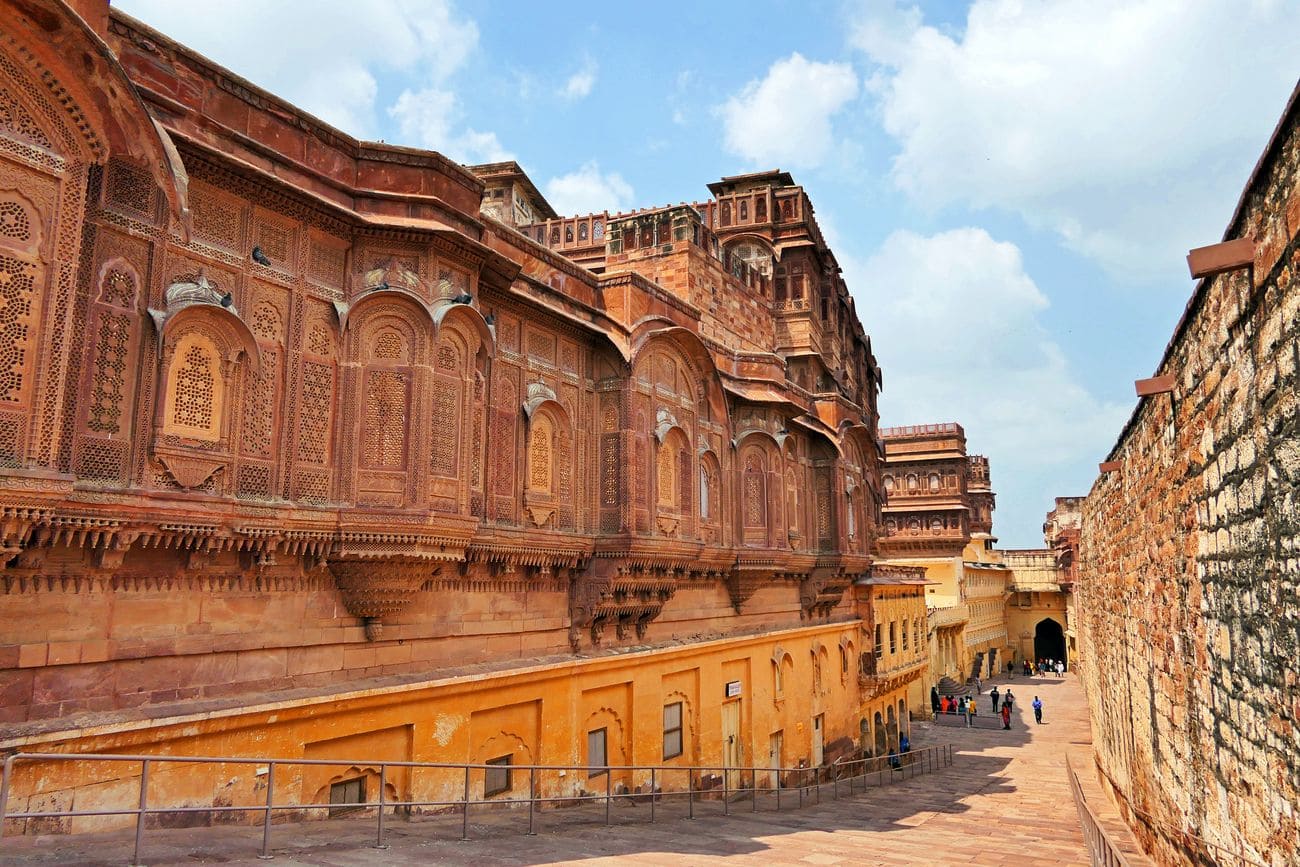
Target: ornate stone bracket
376 590
821 591
627 597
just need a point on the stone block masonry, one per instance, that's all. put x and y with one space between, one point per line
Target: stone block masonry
1190 560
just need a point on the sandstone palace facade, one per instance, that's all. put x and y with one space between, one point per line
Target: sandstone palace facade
319 447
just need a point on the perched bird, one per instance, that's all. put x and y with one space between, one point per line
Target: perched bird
260 258
491 319
383 285
462 298
227 300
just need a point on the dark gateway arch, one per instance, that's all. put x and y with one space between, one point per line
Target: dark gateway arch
1049 640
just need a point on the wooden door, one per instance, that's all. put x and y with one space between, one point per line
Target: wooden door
731 747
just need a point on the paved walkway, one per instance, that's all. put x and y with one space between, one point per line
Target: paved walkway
1005 800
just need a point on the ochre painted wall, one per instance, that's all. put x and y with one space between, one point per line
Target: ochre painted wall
535 715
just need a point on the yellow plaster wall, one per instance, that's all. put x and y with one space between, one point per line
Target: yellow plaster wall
536 715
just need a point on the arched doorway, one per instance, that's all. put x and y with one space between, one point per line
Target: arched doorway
1049 640
891 727
881 749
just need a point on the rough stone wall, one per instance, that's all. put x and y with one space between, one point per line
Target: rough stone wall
1189 572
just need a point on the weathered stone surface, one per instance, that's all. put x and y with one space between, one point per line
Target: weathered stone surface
1189 585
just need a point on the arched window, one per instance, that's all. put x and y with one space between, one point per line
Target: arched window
934 481
598 230
852 517
911 482
195 390
744 211
582 231
706 487
760 209
889 483
568 234
726 213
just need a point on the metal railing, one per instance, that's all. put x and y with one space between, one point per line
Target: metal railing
1103 851
1198 849
724 783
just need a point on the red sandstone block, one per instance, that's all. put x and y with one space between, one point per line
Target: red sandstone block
309 660
394 654
9 655
1220 258
64 653
358 657
261 665
32 655
69 682
1154 385
95 650
16 689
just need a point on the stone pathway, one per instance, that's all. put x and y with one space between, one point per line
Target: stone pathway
1004 800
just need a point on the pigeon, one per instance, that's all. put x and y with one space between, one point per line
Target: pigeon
463 298
260 258
491 319
227 300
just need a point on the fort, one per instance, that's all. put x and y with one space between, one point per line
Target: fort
338 451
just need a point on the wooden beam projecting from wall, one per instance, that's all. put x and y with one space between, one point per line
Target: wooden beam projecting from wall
1110 466
1221 258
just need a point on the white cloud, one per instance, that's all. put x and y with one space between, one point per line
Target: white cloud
954 322
581 82
1125 126
785 118
331 62
588 190
430 118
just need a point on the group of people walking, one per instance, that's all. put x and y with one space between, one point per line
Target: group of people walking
1041 666
965 705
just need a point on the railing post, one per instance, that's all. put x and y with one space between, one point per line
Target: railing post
803 784
776 782
265 854
726 795
835 783
653 796
379 824
464 815
4 790
532 801
139 814
609 791
753 790
690 793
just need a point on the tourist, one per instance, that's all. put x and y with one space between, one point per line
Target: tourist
1026 667
1007 699
970 711
1038 709
1006 716
904 744
1060 667
978 685
993 694
934 701
943 704
894 761
1011 669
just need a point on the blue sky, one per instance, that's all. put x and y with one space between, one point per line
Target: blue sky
1010 186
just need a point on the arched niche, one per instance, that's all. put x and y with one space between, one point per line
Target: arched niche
388 348
759 482
548 459
205 350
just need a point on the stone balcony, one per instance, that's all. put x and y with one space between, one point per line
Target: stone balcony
953 615
878 675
